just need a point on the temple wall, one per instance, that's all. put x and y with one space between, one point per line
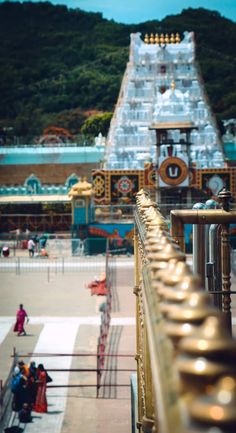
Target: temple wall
47 173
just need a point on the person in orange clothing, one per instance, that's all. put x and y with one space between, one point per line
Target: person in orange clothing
41 405
24 369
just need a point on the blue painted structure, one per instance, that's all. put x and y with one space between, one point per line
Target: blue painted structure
30 155
230 150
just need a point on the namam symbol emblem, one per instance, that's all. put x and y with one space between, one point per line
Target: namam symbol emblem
173 171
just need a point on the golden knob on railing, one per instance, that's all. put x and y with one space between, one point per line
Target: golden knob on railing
145 203
153 232
155 222
151 210
170 251
185 319
155 268
189 284
217 407
151 213
175 295
154 236
206 355
175 272
153 248
213 339
141 191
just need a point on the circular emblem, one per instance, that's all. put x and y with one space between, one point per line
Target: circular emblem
173 171
124 185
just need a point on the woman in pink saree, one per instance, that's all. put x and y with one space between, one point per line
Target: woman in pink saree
20 320
41 405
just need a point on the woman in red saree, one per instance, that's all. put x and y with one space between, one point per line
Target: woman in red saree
41 405
20 320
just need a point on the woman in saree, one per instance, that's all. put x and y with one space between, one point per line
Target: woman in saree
40 404
20 320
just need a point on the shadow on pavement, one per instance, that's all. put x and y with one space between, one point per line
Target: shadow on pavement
13 429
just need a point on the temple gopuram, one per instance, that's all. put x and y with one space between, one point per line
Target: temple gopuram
163 136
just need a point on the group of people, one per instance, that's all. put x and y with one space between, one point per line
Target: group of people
37 244
28 385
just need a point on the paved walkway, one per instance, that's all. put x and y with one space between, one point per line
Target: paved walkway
65 318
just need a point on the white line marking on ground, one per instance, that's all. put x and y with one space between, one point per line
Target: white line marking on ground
5 328
124 321
58 264
54 338
7 321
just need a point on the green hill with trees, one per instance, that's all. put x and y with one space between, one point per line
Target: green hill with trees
58 65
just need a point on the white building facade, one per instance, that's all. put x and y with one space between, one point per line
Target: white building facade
162 85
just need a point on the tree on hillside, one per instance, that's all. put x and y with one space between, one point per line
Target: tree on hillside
97 124
58 63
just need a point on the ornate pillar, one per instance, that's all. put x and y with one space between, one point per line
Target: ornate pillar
225 197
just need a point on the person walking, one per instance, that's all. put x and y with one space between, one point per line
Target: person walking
31 247
21 315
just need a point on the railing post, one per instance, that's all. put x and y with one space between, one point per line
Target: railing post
225 197
199 251
138 327
98 369
1 399
177 230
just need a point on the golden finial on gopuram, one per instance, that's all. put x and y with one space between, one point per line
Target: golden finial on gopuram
167 39
152 39
156 38
146 39
173 86
177 38
162 39
172 38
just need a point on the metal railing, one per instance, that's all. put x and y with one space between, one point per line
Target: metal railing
6 414
6 397
185 353
36 141
49 267
69 247
211 262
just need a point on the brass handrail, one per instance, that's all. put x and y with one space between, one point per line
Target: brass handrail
185 355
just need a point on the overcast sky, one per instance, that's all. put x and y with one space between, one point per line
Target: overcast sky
137 11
